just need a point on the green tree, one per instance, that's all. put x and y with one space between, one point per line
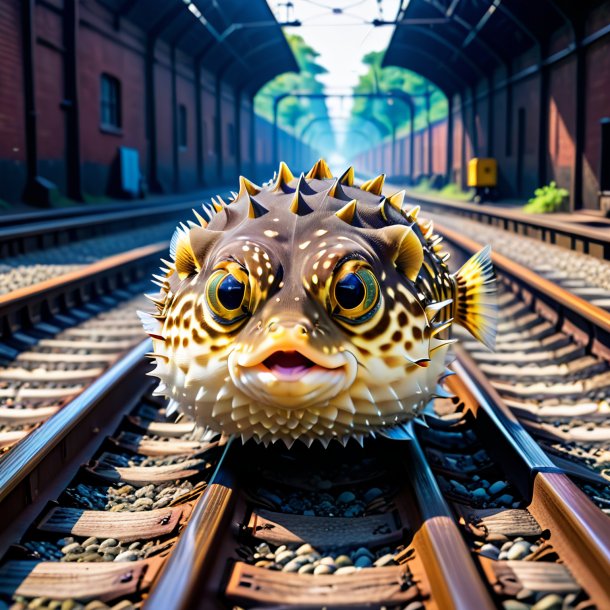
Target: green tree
294 113
392 114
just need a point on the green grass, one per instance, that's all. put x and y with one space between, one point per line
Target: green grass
546 200
449 191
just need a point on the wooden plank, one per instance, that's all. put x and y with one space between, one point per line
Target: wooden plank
125 526
388 585
145 475
505 521
508 578
9 415
282 528
78 581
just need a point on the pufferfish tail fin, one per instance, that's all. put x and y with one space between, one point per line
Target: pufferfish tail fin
475 298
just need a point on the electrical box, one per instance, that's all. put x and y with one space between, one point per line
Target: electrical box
482 172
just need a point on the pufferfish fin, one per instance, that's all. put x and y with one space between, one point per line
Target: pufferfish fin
475 298
399 432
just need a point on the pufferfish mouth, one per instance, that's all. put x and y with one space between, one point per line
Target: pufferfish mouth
290 379
288 365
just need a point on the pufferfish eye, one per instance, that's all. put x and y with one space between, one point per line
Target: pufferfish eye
355 293
228 294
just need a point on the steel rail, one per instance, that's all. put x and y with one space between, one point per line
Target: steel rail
513 220
580 531
37 468
545 289
455 583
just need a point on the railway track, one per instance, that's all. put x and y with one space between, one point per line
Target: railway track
67 317
109 504
141 511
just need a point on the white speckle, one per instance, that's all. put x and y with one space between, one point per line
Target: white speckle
281 285
323 244
245 248
315 265
259 271
271 278
320 232
257 249
276 220
304 245
277 299
314 279
255 258
268 265
391 292
297 299
326 264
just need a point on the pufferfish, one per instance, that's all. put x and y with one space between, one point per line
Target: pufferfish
311 309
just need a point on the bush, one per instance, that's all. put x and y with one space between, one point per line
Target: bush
546 199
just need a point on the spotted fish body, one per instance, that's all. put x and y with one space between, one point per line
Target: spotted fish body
311 309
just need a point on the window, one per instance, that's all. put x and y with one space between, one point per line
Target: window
110 102
182 126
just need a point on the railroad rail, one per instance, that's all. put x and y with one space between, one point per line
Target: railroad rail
590 236
394 524
110 504
22 233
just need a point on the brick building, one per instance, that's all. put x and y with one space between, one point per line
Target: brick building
97 94
527 83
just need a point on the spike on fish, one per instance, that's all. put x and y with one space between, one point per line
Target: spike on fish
284 176
347 212
375 185
319 171
347 177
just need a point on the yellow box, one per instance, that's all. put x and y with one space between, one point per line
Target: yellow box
482 172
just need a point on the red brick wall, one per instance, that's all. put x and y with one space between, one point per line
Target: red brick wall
12 115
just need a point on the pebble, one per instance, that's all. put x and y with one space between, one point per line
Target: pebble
479 494
108 542
498 487
323 569
126 556
343 561
362 551
489 550
513 604
459 487
346 497
308 568
292 566
363 561
304 549
385 560
519 550
284 557
549 602
345 570
75 547
372 494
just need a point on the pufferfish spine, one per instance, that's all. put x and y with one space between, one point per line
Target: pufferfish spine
312 309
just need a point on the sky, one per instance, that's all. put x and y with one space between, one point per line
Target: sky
338 30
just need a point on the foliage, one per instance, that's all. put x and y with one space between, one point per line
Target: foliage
294 113
449 191
546 199
392 115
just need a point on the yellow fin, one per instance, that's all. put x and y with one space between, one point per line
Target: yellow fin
475 298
